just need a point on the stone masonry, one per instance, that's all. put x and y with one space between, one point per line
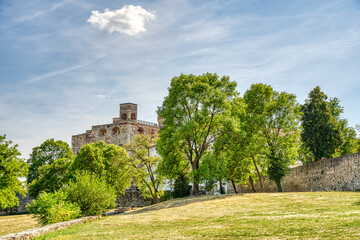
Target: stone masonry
336 174
119 132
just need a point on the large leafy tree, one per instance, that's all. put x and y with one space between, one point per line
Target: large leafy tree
278 124
12 168
48 152
193 112
144 162
321 132
52 177
265 130
107 161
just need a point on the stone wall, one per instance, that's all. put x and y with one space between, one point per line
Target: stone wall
131 198
336 174
119 132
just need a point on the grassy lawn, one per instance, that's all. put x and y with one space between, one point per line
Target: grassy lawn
315 215
16 223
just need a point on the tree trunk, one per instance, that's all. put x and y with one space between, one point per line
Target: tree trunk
259 175
195 190
221 188
195 167
252 184
278 184
234 186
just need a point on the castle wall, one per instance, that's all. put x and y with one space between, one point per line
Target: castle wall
336 174
120 131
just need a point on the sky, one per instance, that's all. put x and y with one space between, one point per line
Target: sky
67 65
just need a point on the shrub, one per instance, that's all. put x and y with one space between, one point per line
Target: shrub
181 187
92 194
167 196
53 208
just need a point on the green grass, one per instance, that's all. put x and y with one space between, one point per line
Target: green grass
315 215
17 223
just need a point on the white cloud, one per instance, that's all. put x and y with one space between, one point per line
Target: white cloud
129 20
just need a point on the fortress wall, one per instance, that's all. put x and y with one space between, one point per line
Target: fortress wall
336 174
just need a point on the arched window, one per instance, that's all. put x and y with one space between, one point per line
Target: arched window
140 130
102 131
133 116
116 130
124 116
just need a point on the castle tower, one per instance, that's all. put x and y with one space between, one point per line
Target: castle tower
128 113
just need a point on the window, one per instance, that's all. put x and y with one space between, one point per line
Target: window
124 116
102 131
133 116
140 130
116 130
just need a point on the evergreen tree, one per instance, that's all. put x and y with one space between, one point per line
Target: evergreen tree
321 132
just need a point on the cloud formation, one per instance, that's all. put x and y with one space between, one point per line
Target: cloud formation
129 20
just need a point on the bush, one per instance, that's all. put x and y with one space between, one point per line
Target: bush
92 194
53 208
167 196
181 187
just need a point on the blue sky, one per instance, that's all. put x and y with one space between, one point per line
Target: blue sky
66 65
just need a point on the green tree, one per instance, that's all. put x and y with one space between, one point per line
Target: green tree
12 168
107 161
280 129
46 153
321 132
91 193
349 141
181 186
144 165
193 112
264 131
52 177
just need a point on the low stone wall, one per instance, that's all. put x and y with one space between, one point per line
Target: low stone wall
36 232
336 174
131 198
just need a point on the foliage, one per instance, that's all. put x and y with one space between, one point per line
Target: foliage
261 136
193 112
52 177
46 153
181 186
321 133
91 193
349 141
107 161
144 165
53 207
168 194
12 168
213 169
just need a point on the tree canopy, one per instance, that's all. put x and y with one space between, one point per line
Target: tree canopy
12 168
324 132
107 161
48 152
193 111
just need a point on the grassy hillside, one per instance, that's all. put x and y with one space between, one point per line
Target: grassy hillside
315 215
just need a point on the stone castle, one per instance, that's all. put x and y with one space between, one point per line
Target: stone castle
119 132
